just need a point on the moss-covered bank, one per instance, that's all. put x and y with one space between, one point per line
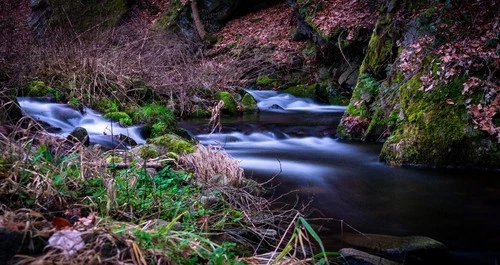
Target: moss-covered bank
420 96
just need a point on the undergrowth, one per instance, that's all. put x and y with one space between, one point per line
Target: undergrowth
176 215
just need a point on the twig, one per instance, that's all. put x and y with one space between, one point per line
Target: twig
340 48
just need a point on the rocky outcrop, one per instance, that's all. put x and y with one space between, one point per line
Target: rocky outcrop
80 15
424 85
39 17
214 14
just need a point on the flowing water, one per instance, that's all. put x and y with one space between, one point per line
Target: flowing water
294 140
63 119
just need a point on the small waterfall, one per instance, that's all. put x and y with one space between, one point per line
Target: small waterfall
64 118
269 100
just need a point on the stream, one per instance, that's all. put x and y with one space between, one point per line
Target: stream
293 140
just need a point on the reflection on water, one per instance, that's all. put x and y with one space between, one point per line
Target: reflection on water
346 180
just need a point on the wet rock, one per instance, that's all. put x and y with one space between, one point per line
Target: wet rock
126 140
79 134
357 257
411 249
276 107
249 104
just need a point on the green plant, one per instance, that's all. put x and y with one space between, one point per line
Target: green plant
36 89
120 117
265 80
300 232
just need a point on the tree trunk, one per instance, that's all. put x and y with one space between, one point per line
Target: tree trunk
197 20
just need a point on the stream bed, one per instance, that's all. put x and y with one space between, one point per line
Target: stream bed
294 140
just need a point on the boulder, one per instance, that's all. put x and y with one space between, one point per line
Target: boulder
79 134
410 249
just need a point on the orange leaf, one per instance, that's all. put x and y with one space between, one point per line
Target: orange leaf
60 223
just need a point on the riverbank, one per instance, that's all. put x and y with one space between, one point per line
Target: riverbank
64 202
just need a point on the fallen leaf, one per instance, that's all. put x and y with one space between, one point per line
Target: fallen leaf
68 241
60 223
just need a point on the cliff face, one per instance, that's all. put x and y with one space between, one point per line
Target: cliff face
428 85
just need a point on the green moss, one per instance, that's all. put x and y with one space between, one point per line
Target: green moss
36 89
159 128
309 91
169 16
108 105
148 151
266 81
338 100
380 46
154 113
173 143
84 15
230 104
309 50
433 131
112 159
120 117
249 104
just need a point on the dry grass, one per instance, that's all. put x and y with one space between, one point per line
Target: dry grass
212 165
128 63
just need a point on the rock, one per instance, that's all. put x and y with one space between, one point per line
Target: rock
350 76
230 104
411 249
39 16
173 143
249 104
124 139
357 257
276 107
79 134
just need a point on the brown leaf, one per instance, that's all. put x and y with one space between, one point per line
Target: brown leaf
60 223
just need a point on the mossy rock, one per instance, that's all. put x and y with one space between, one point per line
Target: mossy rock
168 18
114 159
158 118
173 143
79 134
266 81
309 91
84 15
433 132
230 104
120 117
249 104
148 151
35 89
